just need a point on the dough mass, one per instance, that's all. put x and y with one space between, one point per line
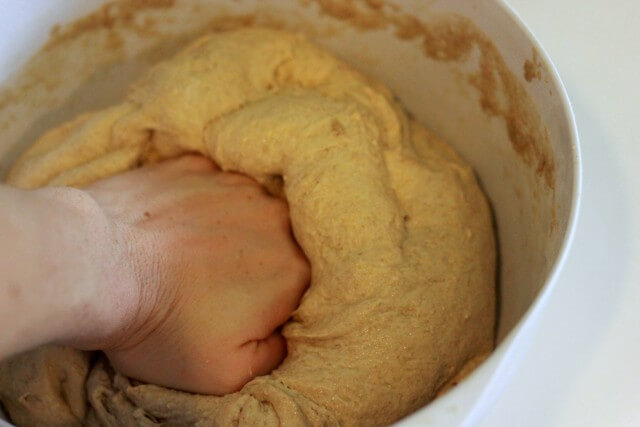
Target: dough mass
394 224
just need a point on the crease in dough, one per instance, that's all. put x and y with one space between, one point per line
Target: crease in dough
396 228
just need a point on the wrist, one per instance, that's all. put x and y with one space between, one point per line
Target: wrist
131 264
103 295
142 260
64 278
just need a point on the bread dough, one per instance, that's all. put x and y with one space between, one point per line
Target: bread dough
397 231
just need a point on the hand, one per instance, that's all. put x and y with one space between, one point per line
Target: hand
216 273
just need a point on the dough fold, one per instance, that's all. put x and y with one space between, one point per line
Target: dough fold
395 226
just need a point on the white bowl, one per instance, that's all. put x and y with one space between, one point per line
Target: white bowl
534 219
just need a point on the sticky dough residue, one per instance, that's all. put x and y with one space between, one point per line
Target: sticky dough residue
452 38
394 224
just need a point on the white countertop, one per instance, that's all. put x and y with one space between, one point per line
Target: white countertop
583 367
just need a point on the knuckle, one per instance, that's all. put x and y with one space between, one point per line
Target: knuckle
303 270
297 271
279 210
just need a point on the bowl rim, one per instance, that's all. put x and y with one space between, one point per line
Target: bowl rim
488 380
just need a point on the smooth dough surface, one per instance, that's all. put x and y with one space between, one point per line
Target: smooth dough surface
395 226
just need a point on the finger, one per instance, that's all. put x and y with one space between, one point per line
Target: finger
299 278
289 275
238 179
290 286
263 356
278 213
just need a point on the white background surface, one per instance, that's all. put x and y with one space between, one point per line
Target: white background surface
583 367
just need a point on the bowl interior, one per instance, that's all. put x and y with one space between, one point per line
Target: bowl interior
485 88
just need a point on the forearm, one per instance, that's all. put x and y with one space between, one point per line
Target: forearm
57 260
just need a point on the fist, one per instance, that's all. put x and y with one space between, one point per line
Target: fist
216 273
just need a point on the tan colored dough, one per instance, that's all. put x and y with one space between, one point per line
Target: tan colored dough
394 224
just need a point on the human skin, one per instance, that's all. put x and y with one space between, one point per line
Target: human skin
181 273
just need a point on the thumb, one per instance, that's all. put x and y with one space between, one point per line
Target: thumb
259 357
